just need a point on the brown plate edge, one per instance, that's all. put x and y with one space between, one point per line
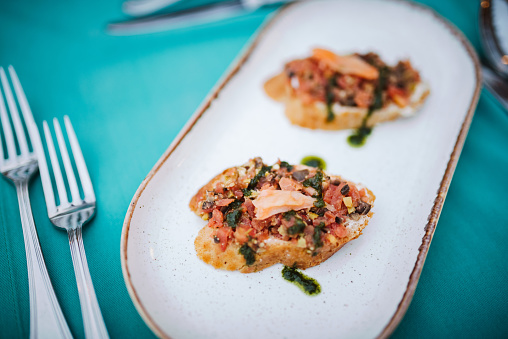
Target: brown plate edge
433 217
445 183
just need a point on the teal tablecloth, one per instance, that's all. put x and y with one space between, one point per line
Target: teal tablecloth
129 96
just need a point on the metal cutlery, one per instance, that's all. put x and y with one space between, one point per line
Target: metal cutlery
188 17
46 318
145 7
72 214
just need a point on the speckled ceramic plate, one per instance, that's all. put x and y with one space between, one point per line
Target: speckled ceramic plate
368 285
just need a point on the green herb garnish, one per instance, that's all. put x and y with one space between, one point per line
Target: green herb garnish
254 181
248 253
316 237
233 217
329 99
297 228
286 165
360 135
306 284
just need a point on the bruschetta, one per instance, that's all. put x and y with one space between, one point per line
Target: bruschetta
332 92
259 215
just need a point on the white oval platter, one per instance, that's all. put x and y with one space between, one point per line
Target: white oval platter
367 286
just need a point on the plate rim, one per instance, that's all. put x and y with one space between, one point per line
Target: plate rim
236 65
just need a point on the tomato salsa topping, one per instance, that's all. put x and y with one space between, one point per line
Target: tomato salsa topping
294 203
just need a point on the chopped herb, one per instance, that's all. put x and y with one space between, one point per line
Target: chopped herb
289 214
319 203
297 228
233 213
284 164
306 284
359 136
254 181
317 235
329 99
248 253
316 182
233 217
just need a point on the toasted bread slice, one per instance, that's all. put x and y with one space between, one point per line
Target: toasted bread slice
314 114
290 232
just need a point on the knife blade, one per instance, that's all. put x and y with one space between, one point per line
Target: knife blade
188 17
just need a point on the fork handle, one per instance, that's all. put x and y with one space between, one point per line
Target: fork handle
46 317
92 317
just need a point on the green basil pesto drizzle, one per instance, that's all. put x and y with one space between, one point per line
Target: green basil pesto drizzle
308 285
360 135
314 161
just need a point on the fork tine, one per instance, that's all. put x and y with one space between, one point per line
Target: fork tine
4 118
35 138
60 186
86 183
71 178
16 121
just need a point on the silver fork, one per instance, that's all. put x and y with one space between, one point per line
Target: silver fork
71 215
46 318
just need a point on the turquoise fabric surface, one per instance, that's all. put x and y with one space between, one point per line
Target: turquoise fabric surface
128 97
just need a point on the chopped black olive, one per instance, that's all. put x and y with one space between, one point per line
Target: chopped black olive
335 182
363 208
338 220
344 190
300 175
216 240
248 253
318 211
207 204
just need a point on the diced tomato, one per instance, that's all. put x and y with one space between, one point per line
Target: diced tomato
242 234
338 230
354 194
223 234
363 99
216 219
224 202
398 95
249 207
